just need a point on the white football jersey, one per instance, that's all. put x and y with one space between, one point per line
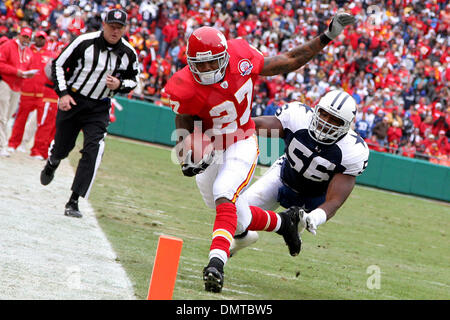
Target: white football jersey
309 165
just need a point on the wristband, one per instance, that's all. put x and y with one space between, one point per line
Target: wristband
324 39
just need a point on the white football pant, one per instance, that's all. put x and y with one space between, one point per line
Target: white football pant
229 175
263 193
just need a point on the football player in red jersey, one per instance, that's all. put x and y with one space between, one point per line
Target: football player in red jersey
214 93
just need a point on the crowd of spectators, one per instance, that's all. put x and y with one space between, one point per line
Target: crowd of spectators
394 61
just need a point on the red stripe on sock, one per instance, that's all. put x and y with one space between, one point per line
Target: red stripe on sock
226 219
260 219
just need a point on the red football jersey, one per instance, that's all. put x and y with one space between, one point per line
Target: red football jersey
223 107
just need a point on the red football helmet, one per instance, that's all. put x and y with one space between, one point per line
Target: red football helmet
207 44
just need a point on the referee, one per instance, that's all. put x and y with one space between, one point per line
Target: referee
87 73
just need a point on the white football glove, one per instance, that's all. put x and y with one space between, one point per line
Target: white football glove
191 169
312 220
338 23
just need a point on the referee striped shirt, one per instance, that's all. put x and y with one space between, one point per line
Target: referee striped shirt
82 67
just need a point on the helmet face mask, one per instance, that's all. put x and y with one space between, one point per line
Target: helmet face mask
207 55
332 117
209 77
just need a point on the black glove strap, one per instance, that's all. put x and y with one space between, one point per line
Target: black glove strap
324 39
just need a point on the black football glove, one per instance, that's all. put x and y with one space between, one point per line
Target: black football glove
191 169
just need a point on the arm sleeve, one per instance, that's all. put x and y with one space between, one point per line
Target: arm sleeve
66 59
356 160
5 65
179 98
294 116
257 60
130 78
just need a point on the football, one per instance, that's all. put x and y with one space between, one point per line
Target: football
199 143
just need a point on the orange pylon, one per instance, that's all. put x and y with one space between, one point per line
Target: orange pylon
165 268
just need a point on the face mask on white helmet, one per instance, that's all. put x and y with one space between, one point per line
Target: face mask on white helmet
342 109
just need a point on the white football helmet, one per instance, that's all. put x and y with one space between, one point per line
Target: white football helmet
340 105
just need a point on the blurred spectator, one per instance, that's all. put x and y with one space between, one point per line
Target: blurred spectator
409 150
380 130
362 127
31 95
439 124
426 124
394 116
258 106
394 132
15 59
396 58
373 144
273 105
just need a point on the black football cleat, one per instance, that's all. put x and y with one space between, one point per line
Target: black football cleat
291 236
48 172
213 279
72 210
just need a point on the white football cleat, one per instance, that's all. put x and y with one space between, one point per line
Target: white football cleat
240 243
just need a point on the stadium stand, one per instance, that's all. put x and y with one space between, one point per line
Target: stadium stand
394 61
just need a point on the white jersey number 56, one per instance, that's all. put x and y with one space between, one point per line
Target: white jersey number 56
316 167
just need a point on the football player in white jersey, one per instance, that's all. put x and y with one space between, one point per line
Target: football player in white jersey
317 173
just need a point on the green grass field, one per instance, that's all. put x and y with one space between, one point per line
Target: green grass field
139 194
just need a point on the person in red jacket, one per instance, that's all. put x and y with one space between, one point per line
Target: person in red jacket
394 132
373 144
32 90
46 126
443 143
15 59
409 150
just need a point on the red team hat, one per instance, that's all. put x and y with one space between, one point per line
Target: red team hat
26 32
41 33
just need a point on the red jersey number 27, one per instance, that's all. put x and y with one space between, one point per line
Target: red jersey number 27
225 116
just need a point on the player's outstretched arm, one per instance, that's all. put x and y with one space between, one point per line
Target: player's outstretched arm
299 56
340 187
268 126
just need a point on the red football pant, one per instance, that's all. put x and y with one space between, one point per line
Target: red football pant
224 228
26 106
46 128
262 220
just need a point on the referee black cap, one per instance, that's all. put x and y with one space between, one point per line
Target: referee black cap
116 16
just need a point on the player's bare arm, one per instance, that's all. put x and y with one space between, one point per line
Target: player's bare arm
340 187
268 126
299 56
293 59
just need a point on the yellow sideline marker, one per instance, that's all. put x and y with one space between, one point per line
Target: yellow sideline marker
165 268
